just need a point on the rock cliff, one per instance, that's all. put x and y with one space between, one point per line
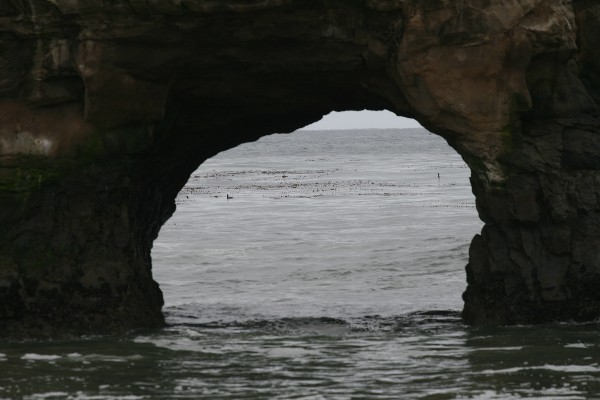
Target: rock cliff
106 107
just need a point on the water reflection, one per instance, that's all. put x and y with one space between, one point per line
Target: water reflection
550 361
429 355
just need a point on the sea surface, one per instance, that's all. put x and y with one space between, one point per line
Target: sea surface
334 271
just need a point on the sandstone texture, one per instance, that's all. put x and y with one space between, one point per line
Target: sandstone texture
107 107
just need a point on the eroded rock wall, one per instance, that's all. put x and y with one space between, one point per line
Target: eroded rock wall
107 107
537 257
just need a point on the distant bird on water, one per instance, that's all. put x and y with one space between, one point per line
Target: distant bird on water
229 197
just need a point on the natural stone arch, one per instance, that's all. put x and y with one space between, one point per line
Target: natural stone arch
106 108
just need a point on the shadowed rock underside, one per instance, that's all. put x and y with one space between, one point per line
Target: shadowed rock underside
106 108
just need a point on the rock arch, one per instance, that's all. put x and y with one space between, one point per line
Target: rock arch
107 107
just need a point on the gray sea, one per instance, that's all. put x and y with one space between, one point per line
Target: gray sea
334 271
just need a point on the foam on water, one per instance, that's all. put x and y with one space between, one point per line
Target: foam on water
40 357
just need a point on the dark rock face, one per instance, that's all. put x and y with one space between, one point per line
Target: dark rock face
107 107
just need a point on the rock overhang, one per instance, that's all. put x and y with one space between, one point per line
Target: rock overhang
107 107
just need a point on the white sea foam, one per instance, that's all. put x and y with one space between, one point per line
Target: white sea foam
507 348
548 367
84 396
577 346
47 395
40 357
572 368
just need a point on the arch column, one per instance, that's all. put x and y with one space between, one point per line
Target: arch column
537 258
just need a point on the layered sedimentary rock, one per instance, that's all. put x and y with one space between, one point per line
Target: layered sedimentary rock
106 107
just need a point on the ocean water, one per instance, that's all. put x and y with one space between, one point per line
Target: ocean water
334 271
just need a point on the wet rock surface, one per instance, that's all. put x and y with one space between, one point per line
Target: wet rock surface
106 108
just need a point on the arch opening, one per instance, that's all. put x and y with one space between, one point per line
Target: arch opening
332 220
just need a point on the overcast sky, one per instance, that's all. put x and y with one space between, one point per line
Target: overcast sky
361 120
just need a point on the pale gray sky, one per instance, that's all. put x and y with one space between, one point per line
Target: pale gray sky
362 120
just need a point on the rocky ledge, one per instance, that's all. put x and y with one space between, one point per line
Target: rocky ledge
106 107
